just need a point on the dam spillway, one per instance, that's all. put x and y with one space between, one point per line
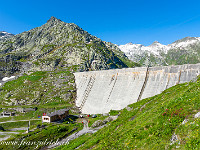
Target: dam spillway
101 91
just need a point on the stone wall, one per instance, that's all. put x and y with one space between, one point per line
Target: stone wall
102 91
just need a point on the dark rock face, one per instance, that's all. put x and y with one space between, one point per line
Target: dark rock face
57 45
1 128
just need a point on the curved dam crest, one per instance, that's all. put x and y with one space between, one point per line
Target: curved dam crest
101 91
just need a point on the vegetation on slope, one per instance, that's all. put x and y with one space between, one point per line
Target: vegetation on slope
151 123
183 56
40 137
42 87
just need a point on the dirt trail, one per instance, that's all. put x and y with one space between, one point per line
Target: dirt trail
85 130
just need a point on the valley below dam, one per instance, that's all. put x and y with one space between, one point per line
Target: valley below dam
99 92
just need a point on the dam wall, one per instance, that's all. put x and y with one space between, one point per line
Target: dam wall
101 91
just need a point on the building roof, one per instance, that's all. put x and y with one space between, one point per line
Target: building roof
58 112
7 112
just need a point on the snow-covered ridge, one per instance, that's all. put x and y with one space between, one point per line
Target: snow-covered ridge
185 42
4 34
156 47
139 48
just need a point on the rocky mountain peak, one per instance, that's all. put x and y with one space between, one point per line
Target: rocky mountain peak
155 43
53 20
130 43
57 44
186 39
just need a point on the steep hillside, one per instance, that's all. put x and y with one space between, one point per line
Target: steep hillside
41 87
170 120
184 51
57 45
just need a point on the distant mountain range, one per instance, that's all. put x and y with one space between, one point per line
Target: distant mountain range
57 44
184 51
4 35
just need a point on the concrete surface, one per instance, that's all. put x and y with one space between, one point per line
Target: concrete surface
101 91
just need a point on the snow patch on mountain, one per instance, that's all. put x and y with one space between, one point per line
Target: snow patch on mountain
183 43
154 48
4 34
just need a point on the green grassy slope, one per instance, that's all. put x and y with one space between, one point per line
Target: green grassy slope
39 138
42 87
151 123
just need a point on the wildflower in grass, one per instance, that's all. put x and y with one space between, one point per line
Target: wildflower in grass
165 113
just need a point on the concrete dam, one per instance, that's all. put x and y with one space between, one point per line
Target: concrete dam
101 91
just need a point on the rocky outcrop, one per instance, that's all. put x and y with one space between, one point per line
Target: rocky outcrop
115 89
99 123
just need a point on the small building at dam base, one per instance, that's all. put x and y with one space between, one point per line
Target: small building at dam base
55 116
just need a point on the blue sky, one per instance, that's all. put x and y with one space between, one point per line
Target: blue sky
116 21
